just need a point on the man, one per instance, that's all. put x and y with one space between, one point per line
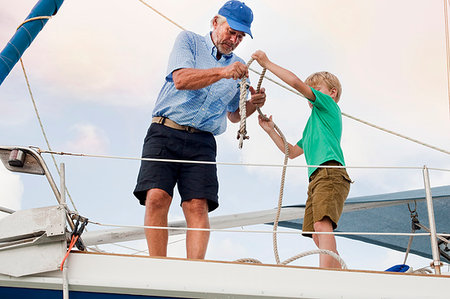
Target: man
201 90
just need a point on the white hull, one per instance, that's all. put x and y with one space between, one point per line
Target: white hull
169 277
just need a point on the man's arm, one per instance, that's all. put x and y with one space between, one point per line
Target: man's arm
190 78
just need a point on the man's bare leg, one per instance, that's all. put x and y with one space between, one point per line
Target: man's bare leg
196 214
327 242
157 205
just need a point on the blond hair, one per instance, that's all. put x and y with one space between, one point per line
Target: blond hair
328 78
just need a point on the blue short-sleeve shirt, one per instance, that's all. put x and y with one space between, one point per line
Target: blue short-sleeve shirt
205 108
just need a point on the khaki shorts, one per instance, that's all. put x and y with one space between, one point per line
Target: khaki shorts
327 192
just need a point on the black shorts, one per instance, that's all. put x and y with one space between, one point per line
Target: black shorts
193 180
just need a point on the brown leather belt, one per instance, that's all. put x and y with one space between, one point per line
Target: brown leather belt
171 124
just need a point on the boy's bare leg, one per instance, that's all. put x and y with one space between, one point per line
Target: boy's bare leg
157 205
327 242
196 214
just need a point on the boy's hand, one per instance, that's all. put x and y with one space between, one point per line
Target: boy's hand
266 124
261 57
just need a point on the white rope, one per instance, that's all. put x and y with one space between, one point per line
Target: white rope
249 260
297 232
317 251
423 270
227 163
285 162
242 133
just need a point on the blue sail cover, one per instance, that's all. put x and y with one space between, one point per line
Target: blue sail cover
25 35
389 213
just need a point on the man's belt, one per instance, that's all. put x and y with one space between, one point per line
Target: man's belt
171 124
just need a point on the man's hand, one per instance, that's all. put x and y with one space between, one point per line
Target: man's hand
258 99
237 70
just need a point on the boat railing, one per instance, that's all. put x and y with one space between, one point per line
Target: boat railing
29 160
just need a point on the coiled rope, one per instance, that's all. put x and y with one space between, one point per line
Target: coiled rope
242 135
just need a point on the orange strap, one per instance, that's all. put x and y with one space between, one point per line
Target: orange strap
72 243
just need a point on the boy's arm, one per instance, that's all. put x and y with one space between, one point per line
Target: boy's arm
287 76
268 126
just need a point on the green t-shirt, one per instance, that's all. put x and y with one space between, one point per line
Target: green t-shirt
321 140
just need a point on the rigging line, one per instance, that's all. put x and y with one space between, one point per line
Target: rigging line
263 231
397 134
34 19
226 163
286 151
439 169
43 130
447 49
345 114
143 2
365 122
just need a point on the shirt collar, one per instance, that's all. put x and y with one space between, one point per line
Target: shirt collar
213 48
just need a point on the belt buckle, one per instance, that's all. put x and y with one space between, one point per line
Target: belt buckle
160 120
189 129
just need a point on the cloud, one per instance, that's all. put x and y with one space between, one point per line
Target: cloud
88 139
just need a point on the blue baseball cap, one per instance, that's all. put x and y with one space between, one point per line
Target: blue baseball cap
239 16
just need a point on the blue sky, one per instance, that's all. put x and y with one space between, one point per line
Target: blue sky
97 67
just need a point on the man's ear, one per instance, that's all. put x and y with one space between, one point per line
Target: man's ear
214 22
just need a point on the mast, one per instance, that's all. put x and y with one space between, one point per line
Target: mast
25 34
447 46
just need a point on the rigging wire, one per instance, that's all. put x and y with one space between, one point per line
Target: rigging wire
162 15
447 48
226 230
344 114
226 163
43 130
36 110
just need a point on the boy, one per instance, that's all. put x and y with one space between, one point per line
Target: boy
328 187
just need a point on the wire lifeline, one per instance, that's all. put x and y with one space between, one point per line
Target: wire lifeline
344 114
263 231
46 139
30 90
84 155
